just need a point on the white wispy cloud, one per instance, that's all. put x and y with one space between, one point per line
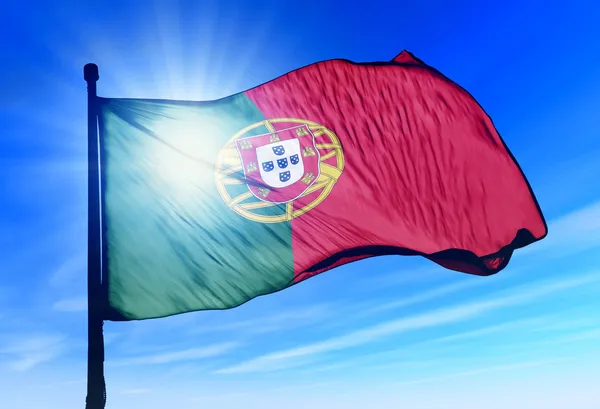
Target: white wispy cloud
222 396
329 367
401 365
110 337
62 384
270 323
430 294
306 386
72 269
565 322
28 351
585 335
178 356
75 382
133 336
408 275
138 391
578 336
365 361
249 393
444 316
478 371
572 233
59 233
74 304
492 329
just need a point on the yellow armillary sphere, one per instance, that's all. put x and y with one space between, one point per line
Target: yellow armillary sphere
296 163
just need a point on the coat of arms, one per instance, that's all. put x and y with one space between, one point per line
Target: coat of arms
281 173
280 166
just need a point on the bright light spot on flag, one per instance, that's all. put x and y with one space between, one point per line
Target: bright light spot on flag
184 156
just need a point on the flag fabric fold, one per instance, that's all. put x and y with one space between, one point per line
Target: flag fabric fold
207 205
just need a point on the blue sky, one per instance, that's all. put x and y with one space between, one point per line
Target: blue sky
388 332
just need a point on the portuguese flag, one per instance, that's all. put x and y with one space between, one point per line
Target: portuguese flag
207 205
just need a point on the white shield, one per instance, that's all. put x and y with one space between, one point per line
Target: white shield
280 163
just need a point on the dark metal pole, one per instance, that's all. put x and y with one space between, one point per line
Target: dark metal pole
95 365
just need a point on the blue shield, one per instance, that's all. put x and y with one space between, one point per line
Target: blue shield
268 166
282 163
284 176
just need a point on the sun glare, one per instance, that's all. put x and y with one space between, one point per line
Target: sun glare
172 63
188 163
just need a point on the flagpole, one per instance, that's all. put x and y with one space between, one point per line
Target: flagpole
95 365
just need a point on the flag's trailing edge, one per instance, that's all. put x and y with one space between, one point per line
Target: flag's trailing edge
207 205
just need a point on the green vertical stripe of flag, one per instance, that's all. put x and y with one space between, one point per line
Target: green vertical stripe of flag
173 245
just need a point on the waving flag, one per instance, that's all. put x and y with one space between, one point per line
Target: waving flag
207 205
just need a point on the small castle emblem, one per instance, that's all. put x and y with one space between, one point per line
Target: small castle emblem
308 151
307 178
263 191
251 167
301 132
245 144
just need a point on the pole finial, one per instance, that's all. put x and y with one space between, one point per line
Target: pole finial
90 73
